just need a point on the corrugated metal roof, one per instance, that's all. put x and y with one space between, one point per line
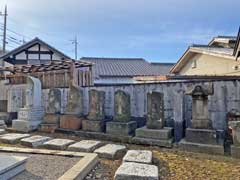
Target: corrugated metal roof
127 67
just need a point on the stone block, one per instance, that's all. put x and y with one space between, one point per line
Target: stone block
153 142
85 146
10 166
2 131
59 144
25 125
235 151
121 128
205 136
70 122
35 141
48 128
2 124
94 126
111 151
201 148
5 116
138 156
131 171
13 138
165 133
51 118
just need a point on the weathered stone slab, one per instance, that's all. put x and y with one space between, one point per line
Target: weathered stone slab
93 126
2 131
13 138
96 105
165 133
153 142
131 171
205 136
121 128
155 110
10 166
35 141
201 148
235 151
85 146
122 107
70 122
111 151
138 156
24 125
59 144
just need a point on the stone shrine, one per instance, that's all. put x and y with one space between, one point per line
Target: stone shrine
96 117
74 109
121 124
154 133
201 136
235 148
51 120
32 114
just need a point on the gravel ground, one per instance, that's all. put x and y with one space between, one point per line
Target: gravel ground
44 167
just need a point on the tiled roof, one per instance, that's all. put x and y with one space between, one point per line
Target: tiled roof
218 50
127 67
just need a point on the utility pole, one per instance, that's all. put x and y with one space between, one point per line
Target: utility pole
76 47
4 29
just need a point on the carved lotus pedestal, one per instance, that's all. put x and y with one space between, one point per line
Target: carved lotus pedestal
28 120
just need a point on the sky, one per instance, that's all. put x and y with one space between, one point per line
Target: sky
156 30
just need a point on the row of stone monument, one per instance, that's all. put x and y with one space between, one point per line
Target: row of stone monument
200 136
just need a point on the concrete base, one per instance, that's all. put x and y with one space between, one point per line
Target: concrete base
201 148
48 128
121 128
235 151
70 122
10 166
94 126
205 136
25 126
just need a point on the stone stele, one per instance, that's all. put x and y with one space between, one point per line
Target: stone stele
155 110
122 106
54 101
75 101
96 105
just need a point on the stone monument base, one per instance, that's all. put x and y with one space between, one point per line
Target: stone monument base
94 126
158 137
68 121
121 128
235 151
201 148
25 125
50 123
10 166
204 141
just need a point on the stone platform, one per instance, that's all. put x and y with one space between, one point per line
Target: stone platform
25 126
201 148
121 128
10 166
158 137
94 126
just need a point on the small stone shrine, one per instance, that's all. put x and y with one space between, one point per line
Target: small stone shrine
121 124
154 133
201 137
30 117
72 118
235 148
51 119
96 118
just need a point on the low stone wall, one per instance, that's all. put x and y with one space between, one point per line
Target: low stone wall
177 105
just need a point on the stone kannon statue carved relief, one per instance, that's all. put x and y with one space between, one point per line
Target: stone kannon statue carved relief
54 101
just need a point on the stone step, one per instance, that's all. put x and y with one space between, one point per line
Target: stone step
10 166
138 156
85 146
130 171
58 144
13 138
111 151
35 141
